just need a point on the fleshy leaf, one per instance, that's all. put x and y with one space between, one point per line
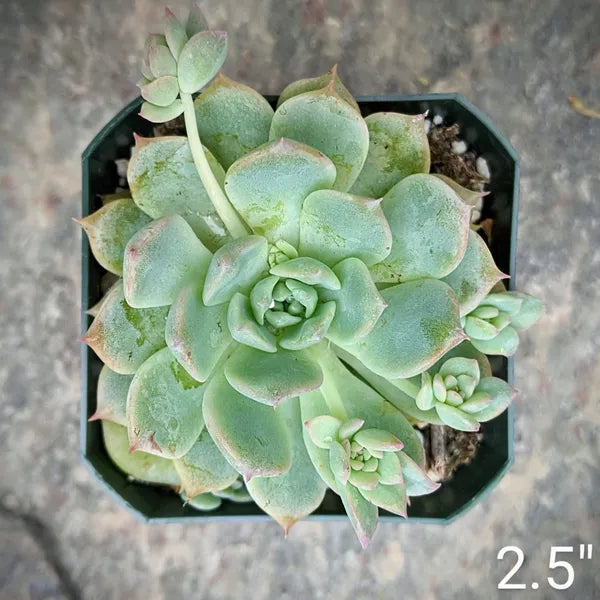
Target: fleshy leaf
196 21
204 469
390 469
430 228
161 114
160 260
398 147
419 325
359 303
468 196
161 61
163 180
323 430
502 395
261 297
110 228
475 275
271 378
235 267
204 502
456 418
111 396
139 465
530 311
364 480
416 480
308 270
392 498
362 514
323 120
164 407
312 84
162 91
268 186
295 494
175 34
349 428
233 119
464 350
200 60
236 492
310 331
252 436
378 439
196 334
335 225
244 328
339 462
124 337
504 344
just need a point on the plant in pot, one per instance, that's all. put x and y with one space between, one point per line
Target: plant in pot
295 297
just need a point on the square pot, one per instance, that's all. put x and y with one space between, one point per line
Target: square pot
469 483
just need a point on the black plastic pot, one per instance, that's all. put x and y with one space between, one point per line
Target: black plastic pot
470 483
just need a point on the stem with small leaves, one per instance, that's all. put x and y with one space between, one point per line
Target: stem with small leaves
228 215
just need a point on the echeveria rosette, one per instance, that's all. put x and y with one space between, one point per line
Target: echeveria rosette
493 326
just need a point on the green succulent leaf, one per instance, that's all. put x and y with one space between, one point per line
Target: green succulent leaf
530 311
164 181
335 225
398 147
161 92
139 465
475 275
339 462
390 469
110 228
233 119
308 270
111 396
175 34
261 296
160 260
196 21
349 428
196 334
502 395
310 331
359 303
161 114
244 328
252 436
317 83
272 378
456 418
505 343
468 196
124 337
236 492
164 407
200 60
430 228
466 351
419 325
392 498
204 469
161 61
361 512
235 267
295 494
268 186
323 430
416 480
378 439
323 120
203 502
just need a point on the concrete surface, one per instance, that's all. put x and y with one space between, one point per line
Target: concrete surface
67 66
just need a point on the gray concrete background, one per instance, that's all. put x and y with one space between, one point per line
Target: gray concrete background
68 66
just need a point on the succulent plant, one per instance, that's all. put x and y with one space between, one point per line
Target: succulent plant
296 293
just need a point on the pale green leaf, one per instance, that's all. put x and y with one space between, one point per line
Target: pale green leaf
268 186
196 21
272 378
362 514
390 469
163 180
160 260
308 270
175 34
161 114
502 395
200 60
111 396
252 436
456 418
233 119
110 228
196 334
203 502
468 196
164 407
323 120
161 92
392 498
378 439
531 310
339 462
398 147
323 430
310 331
335 225
244 328
416 480
161 61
